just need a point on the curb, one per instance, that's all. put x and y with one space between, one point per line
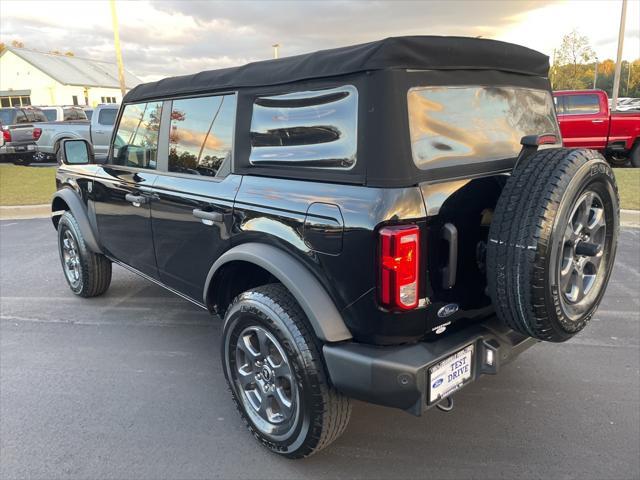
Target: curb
628 218
25 212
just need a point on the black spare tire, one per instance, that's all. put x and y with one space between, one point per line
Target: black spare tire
552 243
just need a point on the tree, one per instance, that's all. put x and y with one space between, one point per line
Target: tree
571 61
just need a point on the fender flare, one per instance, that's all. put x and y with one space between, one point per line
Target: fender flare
79 211
324 317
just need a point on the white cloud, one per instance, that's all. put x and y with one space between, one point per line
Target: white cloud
172 37
542 29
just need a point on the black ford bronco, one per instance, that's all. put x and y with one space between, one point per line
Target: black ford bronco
387 222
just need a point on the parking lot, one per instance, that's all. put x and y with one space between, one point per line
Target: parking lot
129 385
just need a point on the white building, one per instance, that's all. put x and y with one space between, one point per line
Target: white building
34 78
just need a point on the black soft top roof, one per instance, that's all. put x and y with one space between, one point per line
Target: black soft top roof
414 52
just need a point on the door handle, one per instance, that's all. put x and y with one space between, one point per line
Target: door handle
136 200
99 131
450 235
208 218
597 121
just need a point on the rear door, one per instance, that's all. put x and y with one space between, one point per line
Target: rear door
193 199
122 192
584 120
102 128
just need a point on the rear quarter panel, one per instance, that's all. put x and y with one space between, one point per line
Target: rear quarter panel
273 211
55 131
625 127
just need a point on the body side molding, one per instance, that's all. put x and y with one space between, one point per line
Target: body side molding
310 294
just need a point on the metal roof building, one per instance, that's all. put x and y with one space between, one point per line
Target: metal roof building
30 77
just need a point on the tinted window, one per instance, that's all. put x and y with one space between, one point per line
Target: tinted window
106 116
459 125
89 114
581 104
40 116
68 114
51 114
313 129
21 117
136 143
201 136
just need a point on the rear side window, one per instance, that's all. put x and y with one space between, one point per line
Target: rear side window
201 136
107 116
306 129
136 142
581 104
459 125
51 114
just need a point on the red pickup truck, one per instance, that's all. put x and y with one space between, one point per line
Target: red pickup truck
586 122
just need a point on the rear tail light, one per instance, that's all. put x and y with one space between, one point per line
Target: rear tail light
6 134
36 133
399 267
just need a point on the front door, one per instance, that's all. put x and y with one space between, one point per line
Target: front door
584 121
122 193
193 201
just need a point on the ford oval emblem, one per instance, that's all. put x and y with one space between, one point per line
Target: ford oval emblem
447 310
437 383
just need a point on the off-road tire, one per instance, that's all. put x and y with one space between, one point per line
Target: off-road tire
323 412
527 247
94 269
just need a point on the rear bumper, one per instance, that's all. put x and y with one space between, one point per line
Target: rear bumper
10 149
397 376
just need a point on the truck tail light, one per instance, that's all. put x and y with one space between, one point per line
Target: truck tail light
36 133
6 134
399 266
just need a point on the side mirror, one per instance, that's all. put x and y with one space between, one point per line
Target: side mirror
75 151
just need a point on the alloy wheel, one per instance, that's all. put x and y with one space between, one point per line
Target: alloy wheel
265 381
71 259
582 257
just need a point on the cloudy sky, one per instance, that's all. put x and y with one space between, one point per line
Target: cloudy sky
164 38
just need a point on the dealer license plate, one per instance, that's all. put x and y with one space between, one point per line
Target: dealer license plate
450 374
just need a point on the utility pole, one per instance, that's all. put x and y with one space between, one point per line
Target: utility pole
116 43
275 46
595 75
616 78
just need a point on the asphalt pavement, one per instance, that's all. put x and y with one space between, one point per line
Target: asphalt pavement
129 386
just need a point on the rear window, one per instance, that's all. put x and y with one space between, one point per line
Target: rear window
458 125
306 129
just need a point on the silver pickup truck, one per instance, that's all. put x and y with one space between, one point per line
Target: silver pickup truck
97 132
19 134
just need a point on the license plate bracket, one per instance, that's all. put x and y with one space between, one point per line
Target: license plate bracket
450 374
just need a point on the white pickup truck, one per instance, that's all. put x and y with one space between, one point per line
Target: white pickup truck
97 131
